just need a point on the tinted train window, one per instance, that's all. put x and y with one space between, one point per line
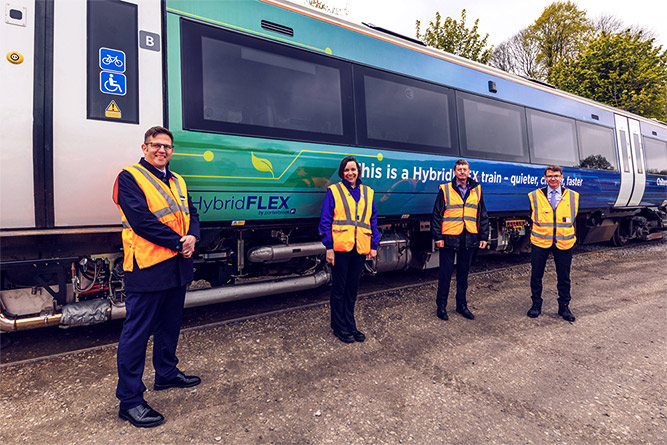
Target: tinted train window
656 156
596 147
237 84
403 113
491 129
622 138
552 139
636 141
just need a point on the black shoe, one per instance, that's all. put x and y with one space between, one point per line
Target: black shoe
180 381
358 336
535 310
465 312
564 311
442 314
142 416
344 336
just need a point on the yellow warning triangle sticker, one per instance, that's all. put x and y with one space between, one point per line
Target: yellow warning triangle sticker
112 110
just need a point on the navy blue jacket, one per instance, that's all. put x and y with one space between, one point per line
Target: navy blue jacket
471 239
174 272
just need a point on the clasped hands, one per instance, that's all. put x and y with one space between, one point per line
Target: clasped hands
188 245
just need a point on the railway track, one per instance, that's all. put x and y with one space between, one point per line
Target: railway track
47 343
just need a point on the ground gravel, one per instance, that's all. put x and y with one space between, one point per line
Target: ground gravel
501 379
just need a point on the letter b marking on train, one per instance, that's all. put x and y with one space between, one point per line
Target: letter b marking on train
149 40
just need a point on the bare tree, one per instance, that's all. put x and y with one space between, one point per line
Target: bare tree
613 25
502 58
518 55
607 23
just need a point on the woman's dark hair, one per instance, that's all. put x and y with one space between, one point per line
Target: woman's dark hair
344 162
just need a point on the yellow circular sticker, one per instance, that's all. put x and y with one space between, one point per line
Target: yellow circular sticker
14 57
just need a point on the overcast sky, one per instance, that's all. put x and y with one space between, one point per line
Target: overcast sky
499 18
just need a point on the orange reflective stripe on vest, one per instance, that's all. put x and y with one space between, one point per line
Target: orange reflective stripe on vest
459 214
352 220
554 225
169 205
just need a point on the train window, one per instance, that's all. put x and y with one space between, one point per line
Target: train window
596 147
238 84
638 155
552 139
624 150
491 129
403 113
656 156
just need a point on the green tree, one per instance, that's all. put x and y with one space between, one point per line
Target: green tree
559 33
454 37
623 70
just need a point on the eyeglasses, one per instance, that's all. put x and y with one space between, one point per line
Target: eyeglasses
553 176
159 146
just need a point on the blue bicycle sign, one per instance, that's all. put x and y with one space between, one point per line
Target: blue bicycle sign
112 83
112 60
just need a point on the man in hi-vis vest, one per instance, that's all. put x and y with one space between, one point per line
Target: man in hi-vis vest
554 212
459 226
160 229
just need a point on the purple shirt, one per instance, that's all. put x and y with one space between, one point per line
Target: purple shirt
328 212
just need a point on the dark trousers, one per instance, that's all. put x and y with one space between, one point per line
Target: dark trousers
447 256
538 261
345 276
159 313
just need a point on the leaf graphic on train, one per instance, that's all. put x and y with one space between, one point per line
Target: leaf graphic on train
262 165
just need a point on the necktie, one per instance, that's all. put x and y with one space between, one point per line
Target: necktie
553 200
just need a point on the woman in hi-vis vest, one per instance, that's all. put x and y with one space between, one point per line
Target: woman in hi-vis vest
348 227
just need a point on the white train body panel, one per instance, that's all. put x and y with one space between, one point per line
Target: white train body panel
17 207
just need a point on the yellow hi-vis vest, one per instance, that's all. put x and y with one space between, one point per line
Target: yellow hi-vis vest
554 225
352 220
459 214
168 204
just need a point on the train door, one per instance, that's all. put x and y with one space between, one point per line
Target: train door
630 155
637 150
107 90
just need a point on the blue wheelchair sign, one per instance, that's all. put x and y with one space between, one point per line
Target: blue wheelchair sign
112 60
112 83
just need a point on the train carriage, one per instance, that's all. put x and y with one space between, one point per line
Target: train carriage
264 98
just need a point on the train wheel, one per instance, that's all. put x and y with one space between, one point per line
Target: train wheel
620 237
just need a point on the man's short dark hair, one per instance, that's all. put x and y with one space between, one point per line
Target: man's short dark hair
553 168
154 131
461 162
343 163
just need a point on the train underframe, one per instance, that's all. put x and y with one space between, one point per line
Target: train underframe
56 277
